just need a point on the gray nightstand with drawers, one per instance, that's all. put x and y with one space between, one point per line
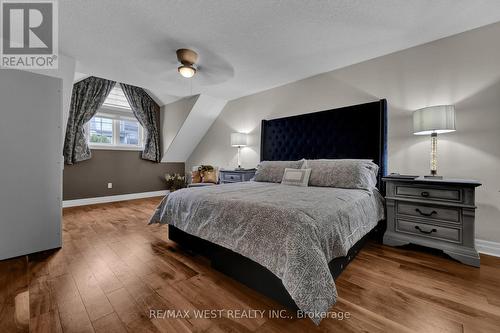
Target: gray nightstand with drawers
435 213
236 176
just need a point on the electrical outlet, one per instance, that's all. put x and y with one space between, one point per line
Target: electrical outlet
110 185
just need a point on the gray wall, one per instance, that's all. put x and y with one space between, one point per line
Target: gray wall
31 162
172 117
463 70
125 169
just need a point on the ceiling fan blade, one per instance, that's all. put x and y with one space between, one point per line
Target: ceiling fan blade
174 84
211 69
152 66
214 75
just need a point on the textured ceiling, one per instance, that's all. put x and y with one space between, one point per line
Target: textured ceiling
250 46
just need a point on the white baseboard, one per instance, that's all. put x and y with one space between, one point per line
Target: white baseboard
487 247
112 198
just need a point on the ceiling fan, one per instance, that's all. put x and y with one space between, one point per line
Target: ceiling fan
202 68
188 60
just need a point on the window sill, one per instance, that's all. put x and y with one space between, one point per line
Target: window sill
97 147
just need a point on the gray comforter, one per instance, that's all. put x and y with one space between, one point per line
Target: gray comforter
292 231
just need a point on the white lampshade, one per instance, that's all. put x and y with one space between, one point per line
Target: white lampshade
239 139
434 119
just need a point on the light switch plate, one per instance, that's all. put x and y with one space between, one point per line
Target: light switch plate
110 185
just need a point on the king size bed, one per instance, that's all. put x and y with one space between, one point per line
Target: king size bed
291 242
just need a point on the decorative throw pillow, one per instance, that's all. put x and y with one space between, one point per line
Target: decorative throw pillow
209 176
297 177
195 177
348 173
272 171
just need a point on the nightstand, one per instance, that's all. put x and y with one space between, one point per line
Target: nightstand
437 213
236 176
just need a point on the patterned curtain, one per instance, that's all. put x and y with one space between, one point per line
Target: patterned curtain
86 98
145 110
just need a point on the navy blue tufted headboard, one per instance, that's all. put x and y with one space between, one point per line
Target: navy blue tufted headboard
358 131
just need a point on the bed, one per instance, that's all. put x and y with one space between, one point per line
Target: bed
289 242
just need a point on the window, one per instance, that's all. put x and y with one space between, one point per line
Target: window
116 99
101 130
112 131
114 125
129 132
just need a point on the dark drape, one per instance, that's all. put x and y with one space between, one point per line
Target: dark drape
86 98
145 110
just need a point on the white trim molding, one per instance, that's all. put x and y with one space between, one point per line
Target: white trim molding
112 198
94 146
488 247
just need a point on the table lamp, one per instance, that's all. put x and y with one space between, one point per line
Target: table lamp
239 140
434 120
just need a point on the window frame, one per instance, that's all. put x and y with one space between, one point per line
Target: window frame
115 115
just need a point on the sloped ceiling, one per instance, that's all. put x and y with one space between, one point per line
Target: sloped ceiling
201 116
250 46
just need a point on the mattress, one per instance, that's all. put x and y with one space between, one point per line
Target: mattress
292 231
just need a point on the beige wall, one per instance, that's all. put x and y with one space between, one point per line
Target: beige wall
463 70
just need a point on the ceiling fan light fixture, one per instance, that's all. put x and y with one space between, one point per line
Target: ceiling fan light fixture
186 71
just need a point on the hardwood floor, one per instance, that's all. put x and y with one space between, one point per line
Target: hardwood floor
114 269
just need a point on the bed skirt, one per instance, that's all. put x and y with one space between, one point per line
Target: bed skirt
254 275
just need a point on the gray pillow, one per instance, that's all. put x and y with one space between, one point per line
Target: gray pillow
357 174
272 171
297 177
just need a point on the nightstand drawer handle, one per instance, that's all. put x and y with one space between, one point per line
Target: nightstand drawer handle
425 232
425 214
425 194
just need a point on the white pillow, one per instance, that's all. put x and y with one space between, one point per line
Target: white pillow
297 177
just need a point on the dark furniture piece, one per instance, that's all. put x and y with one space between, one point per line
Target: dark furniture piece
358 132
235 176
434 213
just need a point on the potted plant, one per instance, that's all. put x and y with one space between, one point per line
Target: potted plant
175 181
